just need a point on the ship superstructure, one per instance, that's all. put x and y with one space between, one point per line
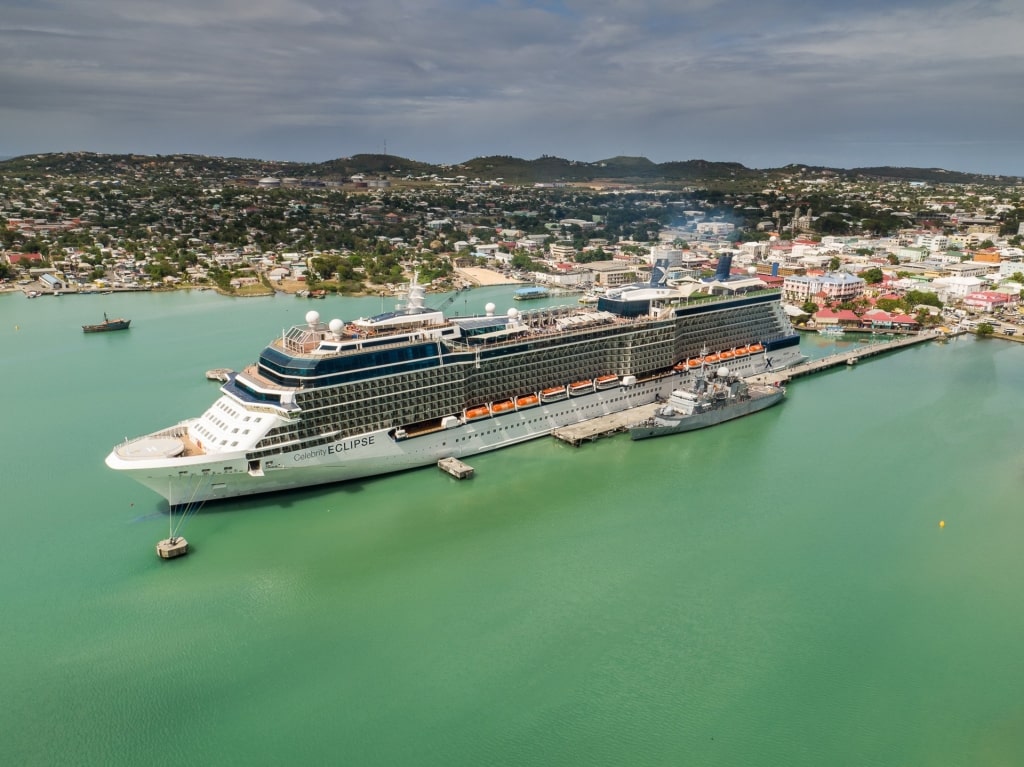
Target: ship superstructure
333 401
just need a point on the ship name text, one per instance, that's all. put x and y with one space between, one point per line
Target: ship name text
342 446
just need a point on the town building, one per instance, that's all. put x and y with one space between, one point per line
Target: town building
834 286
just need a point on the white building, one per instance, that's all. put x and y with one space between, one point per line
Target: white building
714 227
956 288
835 286
562 251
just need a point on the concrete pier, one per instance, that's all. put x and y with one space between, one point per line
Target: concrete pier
850 357
604 425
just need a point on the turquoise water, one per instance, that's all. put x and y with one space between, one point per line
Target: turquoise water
773 591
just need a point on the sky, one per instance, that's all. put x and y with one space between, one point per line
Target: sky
766 83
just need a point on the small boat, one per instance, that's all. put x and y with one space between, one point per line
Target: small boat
527 400
107 324
725 355
741 351
694 362
712 359
504 406
476 413
606 382
577 388
529 294
755 348
553 394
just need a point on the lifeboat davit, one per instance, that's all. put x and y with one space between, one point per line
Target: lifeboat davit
476 413
527 400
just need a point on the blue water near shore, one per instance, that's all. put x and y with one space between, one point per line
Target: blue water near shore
773 591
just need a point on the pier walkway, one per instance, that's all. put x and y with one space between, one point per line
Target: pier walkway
850 357
604 425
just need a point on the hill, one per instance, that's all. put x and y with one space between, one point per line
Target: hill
545 169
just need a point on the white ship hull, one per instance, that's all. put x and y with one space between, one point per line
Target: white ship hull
188 481
330 402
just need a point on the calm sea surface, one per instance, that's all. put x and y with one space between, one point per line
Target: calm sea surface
773 591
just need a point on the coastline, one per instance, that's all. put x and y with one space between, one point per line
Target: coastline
474 276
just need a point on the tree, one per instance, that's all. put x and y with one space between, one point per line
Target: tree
918 297
985 329
809 307
834 263
889 304
872 276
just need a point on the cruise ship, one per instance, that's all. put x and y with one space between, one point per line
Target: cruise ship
333 401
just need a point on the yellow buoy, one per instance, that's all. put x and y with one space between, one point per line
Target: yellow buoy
942 523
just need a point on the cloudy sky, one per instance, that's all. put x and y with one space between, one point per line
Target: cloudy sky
931 83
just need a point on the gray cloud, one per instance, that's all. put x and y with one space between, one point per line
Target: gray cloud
902 82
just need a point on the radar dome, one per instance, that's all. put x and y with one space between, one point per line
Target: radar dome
312 317
489 309
723 372
336 326
512 313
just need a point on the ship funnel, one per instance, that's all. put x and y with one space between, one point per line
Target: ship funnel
659 273
724 267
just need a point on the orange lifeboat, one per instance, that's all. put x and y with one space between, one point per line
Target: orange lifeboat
711 359
741 351
553 394
476 413
680 366
581 387
694 362
502 407
527 400
755 348
608 381
725 355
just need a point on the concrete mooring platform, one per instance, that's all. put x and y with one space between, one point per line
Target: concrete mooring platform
455 467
